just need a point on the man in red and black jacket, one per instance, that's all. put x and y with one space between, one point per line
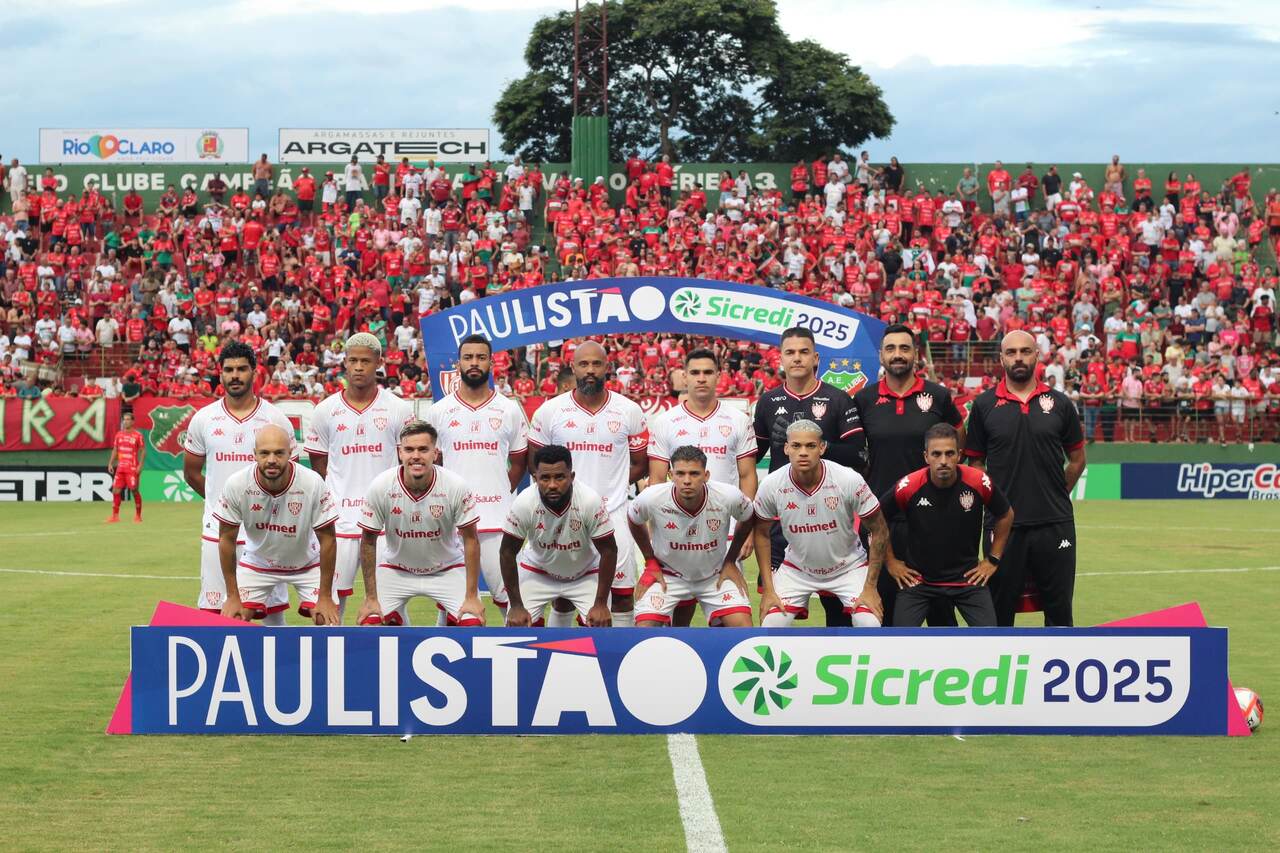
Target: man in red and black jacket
1023 432
943 506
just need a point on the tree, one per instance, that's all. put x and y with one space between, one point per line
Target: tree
709 80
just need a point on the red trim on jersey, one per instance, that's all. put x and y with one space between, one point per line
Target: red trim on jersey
974 454
257 404
257 478
475 520
342 397
653 617
973 478
729 611
884 390
816 385
487 401
221 520
1003 393
705 493
608 396
369 529
349 535
791 476
685 405
327 522
560 514
408 491
751 453
861 608
912 483
1073 447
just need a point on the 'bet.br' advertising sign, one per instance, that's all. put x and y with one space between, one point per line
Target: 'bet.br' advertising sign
847 341
252 680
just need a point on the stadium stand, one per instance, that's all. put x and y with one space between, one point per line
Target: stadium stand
1151 304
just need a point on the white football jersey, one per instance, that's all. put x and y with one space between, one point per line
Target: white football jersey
360 444
226 443
692 545
822 539
278 528
421 529
726 435
601 442
476 443
559 545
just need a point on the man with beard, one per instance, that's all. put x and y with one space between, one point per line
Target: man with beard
351 439
607 435
288 515
219 441
896 413
484 438
802 396
1021 430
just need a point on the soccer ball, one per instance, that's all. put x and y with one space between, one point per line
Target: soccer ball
1250 706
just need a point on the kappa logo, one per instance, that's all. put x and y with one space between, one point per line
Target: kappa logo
671 525
395 510
681 431
455 423
880 401
782 410
219 431
1064 544
570 425
726 596
792 505
924 401
437 510
766 681
256 508
1046 403
295 507
818 409
923 502
342 428
966 500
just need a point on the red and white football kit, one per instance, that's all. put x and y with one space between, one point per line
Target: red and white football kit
226 443
128 447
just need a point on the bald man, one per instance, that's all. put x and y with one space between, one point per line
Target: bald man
608 438
1028 438
288 515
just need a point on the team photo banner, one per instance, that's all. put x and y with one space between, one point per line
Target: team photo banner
847 341
444 145
144 145
254 680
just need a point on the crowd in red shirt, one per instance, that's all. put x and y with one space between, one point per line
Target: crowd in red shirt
1126 283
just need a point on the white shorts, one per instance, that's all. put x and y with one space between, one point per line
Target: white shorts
538 589
491 567
718 598
447 589
624 577
213 589
794 589
257 588
346 565
1052 201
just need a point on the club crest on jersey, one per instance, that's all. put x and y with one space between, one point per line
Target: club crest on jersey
614 426
379 424
437 510
295 507
213 598
924 401
575 525
713 524
966 500
725 430
1046 403
495 423
833 503
818 409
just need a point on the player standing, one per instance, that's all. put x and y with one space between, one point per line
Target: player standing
287 515
942 507
128 451
219 441
607 436
571 554
1021 430
682 530
351 440
802 396
483 437
428 518
816 501
896 413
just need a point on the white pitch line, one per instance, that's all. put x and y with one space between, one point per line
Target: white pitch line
1181 572
1168 530
191 577
697 810
37 533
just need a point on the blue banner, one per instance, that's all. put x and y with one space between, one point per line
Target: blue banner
253 680
847 341
1160 480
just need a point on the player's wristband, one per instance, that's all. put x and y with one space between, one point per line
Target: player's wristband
652 572
993 560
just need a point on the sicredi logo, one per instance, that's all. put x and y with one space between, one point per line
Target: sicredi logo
761 313
866 681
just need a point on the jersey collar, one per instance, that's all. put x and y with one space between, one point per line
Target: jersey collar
257 404
816 385
608 395
916 388
675 500
257 477
791 476
1003 393
685 405
415 497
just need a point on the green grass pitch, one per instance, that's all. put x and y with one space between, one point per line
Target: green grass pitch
66 785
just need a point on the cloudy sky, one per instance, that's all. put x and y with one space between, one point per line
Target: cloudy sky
1153 80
